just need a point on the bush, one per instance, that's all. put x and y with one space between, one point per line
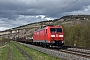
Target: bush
3 41
78 34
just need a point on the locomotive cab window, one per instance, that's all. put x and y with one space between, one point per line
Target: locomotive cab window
59 29
52 29
56 29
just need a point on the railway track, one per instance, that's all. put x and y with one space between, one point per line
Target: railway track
75 51
87 51
24 54
79 53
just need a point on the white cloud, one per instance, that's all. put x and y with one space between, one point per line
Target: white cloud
49 18
87 8
40 16
3 28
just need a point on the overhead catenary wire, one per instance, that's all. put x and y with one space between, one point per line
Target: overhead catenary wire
64 3
64 7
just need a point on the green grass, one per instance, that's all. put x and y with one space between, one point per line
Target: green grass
36 55
4 52
17 54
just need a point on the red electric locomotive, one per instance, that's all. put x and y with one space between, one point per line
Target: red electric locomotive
49 36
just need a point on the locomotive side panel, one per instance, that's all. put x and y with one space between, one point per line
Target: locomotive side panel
41 36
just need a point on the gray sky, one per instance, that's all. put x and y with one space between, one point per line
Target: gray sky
14 13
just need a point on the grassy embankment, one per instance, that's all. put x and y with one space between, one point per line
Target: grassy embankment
36 55
4 52
16 54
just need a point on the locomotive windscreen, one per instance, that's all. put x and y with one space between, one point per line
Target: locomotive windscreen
56 29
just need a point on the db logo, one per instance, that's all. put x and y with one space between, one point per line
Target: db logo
56 35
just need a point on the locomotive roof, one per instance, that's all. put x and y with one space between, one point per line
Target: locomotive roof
45 27
40 29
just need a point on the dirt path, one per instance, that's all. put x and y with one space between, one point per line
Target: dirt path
24 54
10 53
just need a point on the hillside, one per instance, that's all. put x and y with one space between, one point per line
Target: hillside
27 30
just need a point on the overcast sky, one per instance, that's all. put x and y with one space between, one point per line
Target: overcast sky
14 13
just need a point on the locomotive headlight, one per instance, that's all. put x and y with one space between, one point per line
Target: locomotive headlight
60 35
52 35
